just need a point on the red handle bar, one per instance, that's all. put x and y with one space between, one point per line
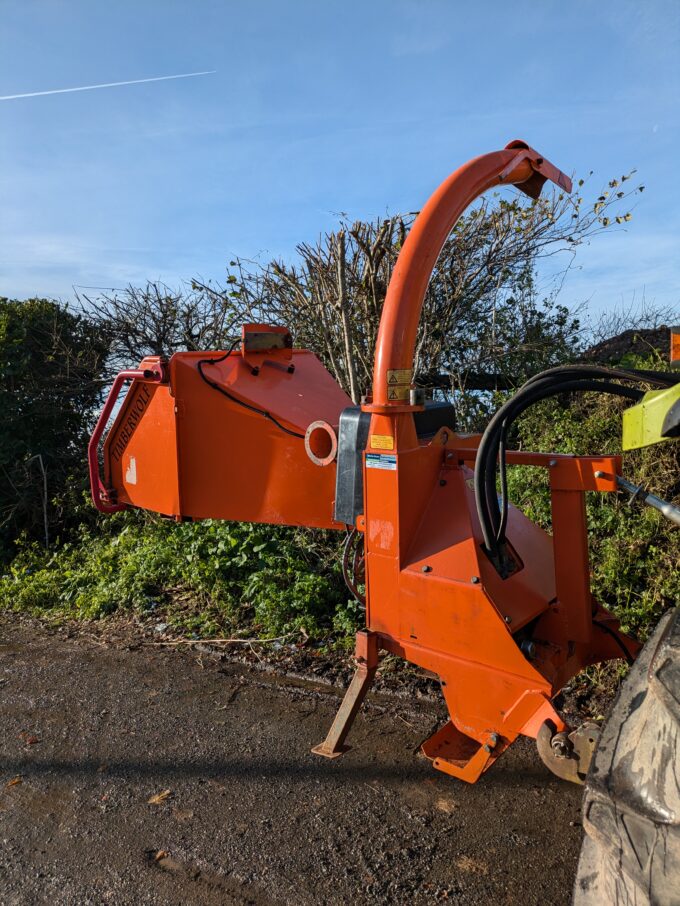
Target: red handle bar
100 495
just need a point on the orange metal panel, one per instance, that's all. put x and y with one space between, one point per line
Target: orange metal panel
184 449
584 473
675 345
236 464
449 542
436 599
140 453
297 398
572 568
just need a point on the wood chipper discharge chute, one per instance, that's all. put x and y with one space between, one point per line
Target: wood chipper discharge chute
456 580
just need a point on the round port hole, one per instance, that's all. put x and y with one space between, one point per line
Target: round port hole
321 443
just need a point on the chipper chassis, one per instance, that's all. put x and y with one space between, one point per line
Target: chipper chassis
456 580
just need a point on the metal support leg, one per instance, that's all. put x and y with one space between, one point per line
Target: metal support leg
367 664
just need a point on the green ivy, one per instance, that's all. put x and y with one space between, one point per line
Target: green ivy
206 577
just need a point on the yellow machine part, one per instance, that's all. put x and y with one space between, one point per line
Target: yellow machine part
654 419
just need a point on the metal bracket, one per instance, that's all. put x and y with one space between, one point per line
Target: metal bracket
567 755
460 756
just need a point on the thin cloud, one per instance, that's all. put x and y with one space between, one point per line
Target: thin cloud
38 94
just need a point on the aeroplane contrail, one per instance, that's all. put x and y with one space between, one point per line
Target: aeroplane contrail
37 94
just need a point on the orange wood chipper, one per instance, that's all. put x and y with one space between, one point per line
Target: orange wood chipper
456 580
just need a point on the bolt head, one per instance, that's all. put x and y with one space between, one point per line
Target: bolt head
560 745
528 648
426 569
475 580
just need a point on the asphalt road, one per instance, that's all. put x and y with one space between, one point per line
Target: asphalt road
244 813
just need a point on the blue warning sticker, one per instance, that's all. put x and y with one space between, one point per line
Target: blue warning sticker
381 461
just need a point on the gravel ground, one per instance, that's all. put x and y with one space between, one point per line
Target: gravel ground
136 774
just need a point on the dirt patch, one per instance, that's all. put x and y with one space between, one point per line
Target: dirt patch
251 815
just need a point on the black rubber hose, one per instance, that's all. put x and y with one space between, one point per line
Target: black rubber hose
552 374
496 518
542 387
562 379
539 390
504 484
662 378
626 653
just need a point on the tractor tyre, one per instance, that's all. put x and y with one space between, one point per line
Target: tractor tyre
631 807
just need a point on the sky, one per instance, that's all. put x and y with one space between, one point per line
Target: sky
318 108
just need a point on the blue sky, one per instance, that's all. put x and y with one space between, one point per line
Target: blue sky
317 108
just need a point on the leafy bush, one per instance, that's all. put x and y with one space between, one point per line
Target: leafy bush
50 365
209 577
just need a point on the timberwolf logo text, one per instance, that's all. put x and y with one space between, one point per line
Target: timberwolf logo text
135 412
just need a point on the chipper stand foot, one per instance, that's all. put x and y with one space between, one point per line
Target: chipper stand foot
367 664
459 755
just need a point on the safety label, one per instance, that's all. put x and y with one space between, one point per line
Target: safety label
382 441
399 376
398 393
381 461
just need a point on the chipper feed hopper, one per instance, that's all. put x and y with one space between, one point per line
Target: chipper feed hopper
456 580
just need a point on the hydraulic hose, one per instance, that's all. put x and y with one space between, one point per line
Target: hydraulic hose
554 381
485 472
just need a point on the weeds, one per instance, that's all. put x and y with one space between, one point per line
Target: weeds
209 578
